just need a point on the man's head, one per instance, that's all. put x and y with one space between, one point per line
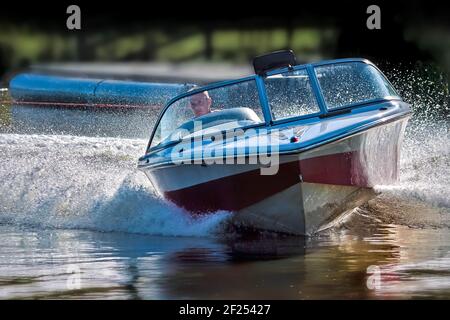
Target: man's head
200 103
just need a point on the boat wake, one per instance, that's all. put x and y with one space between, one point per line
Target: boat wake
56 181
421 198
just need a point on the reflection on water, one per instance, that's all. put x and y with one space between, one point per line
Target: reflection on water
36 263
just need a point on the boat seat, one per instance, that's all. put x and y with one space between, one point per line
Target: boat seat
245 115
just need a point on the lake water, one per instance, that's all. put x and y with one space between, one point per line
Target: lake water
78 220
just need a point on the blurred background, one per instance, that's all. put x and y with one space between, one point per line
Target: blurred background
201 42
224 33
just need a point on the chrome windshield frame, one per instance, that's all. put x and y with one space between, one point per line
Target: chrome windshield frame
263 100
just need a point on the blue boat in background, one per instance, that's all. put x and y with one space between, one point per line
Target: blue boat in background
39 89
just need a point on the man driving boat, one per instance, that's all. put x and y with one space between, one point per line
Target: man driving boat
200 103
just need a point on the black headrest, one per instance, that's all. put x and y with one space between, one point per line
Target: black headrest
274 60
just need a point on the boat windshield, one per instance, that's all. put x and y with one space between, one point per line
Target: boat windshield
223 108
290 94
350 83
342 84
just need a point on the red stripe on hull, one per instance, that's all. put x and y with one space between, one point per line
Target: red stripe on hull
238 191
235 192
343 169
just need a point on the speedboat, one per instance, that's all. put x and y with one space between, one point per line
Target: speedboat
290 149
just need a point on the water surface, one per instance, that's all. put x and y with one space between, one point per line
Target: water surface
77 220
